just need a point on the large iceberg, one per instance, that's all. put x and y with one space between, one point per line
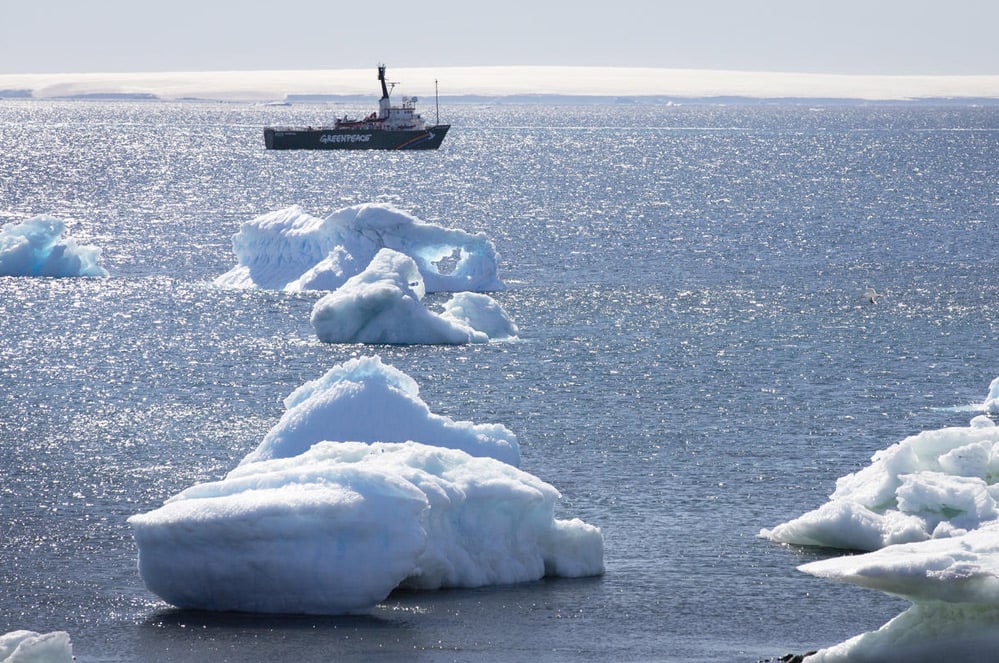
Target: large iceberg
31 647
383 304
939 483
37 247
954 586
292 250
334 530
365 400
360 489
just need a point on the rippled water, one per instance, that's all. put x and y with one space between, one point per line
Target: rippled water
695 361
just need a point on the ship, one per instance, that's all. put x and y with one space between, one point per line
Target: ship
389 128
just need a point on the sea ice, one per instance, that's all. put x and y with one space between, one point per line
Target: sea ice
292 250
31 647
953 584
307 525
939 483
481 313
991 404
365 400
36 247
383 304
337 528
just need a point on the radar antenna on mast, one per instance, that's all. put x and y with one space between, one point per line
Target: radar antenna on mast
381 79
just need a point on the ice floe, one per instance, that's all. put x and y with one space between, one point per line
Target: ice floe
31 647
928 508
289 249
953 584
366 400
39 247
991 404
938 483
383 304
317 521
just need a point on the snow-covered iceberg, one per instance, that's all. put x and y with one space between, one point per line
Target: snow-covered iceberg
37 247
991 404
939 483
334 530
383 304
292 250
365 400
323 519
31 647
954 586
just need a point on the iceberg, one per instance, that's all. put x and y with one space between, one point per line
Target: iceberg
383 304
292 250
334 530
31 647
953 584
927 508
36 247
937 484
320 520
482 314
365 400
991 404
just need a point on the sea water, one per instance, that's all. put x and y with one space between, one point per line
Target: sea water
695 360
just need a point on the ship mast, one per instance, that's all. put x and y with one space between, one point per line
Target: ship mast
381 77
383 104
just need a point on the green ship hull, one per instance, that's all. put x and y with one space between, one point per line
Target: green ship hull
329 138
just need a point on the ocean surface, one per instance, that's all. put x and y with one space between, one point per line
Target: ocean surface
695 361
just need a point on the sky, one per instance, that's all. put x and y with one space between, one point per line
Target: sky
878 37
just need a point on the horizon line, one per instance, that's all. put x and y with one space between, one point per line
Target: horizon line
507 80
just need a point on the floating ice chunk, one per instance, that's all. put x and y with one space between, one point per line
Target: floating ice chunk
275 248
36 247
291 250
365 400
962 569
991 403
335 529
31 647
938 483
480 313
383 304
954 584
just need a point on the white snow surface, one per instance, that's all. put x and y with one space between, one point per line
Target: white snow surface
954 584
936 484
37 247
289 249
335 529
31 647
365 400
383 304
